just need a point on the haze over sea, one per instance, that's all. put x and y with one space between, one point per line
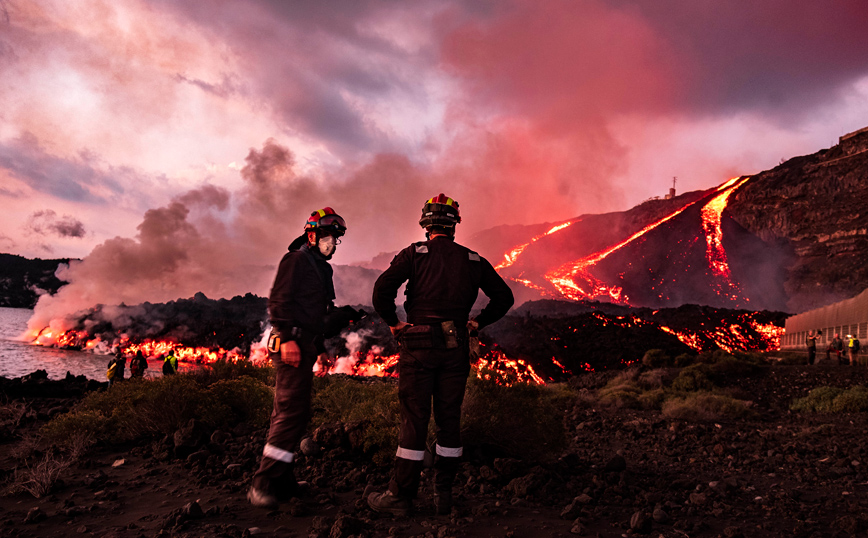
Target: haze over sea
19 358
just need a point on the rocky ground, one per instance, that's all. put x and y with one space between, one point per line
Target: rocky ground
626 472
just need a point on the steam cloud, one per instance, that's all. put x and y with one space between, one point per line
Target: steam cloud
223 244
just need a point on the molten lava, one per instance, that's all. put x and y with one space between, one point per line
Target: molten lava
717 262
574 280
494 364
510 257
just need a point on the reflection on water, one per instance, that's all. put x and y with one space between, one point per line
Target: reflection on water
19 358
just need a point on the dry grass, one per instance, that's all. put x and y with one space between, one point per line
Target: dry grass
705 407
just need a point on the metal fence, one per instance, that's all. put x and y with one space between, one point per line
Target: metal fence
845 317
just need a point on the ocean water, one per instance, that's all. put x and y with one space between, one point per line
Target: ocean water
19 358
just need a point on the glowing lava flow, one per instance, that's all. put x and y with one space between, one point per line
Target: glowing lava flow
575 281
510 257
494 364
711 218
566 277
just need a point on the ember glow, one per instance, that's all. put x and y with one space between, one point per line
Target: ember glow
506 371
510 257
746 334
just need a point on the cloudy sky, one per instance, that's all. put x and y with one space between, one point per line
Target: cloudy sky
167 131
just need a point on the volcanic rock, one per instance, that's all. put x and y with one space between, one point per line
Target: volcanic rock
330 435
35 515
309 447
188 438
616 464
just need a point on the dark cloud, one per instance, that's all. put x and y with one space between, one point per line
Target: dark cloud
780 57
46 222
226 88
74 180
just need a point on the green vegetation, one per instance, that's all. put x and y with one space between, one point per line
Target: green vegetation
833 400
696 392
135 409
493 414
374 405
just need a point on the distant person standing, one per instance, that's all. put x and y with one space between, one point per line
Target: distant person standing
138 365
853 349
116 368
170 363
811 343
838 346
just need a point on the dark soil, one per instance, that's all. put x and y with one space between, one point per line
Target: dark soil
626 472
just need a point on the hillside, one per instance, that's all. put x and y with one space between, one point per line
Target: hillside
790 239
22 280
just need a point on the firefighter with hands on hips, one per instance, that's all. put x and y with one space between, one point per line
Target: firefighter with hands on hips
444 279
302 314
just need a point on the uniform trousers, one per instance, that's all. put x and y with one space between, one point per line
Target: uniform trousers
289 419
425 375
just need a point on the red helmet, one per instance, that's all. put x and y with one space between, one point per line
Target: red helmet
440 211
327 220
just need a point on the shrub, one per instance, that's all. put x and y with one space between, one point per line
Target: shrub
685 359
228 369
833 400
653 379
852 400
656 358
232 401
693 378
622 391
703 406
521 420
348 400
653 399
730 366
139 408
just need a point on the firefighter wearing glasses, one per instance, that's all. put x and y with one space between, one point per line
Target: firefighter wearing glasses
444 279
302 314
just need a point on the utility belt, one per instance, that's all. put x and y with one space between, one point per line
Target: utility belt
296 334
444 335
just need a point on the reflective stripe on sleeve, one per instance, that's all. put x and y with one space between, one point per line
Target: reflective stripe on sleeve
450 452
407 454
278 454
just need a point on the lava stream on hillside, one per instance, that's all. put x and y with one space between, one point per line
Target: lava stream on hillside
662 270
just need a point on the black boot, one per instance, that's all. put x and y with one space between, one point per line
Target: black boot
388 503
443 502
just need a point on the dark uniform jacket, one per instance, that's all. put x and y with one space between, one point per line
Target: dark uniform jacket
302 295
444 281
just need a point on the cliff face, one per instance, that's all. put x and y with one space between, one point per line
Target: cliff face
814 206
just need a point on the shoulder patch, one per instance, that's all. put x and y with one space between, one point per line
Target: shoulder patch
474 257
421 249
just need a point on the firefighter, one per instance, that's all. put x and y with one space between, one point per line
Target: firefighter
444 279
301 311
